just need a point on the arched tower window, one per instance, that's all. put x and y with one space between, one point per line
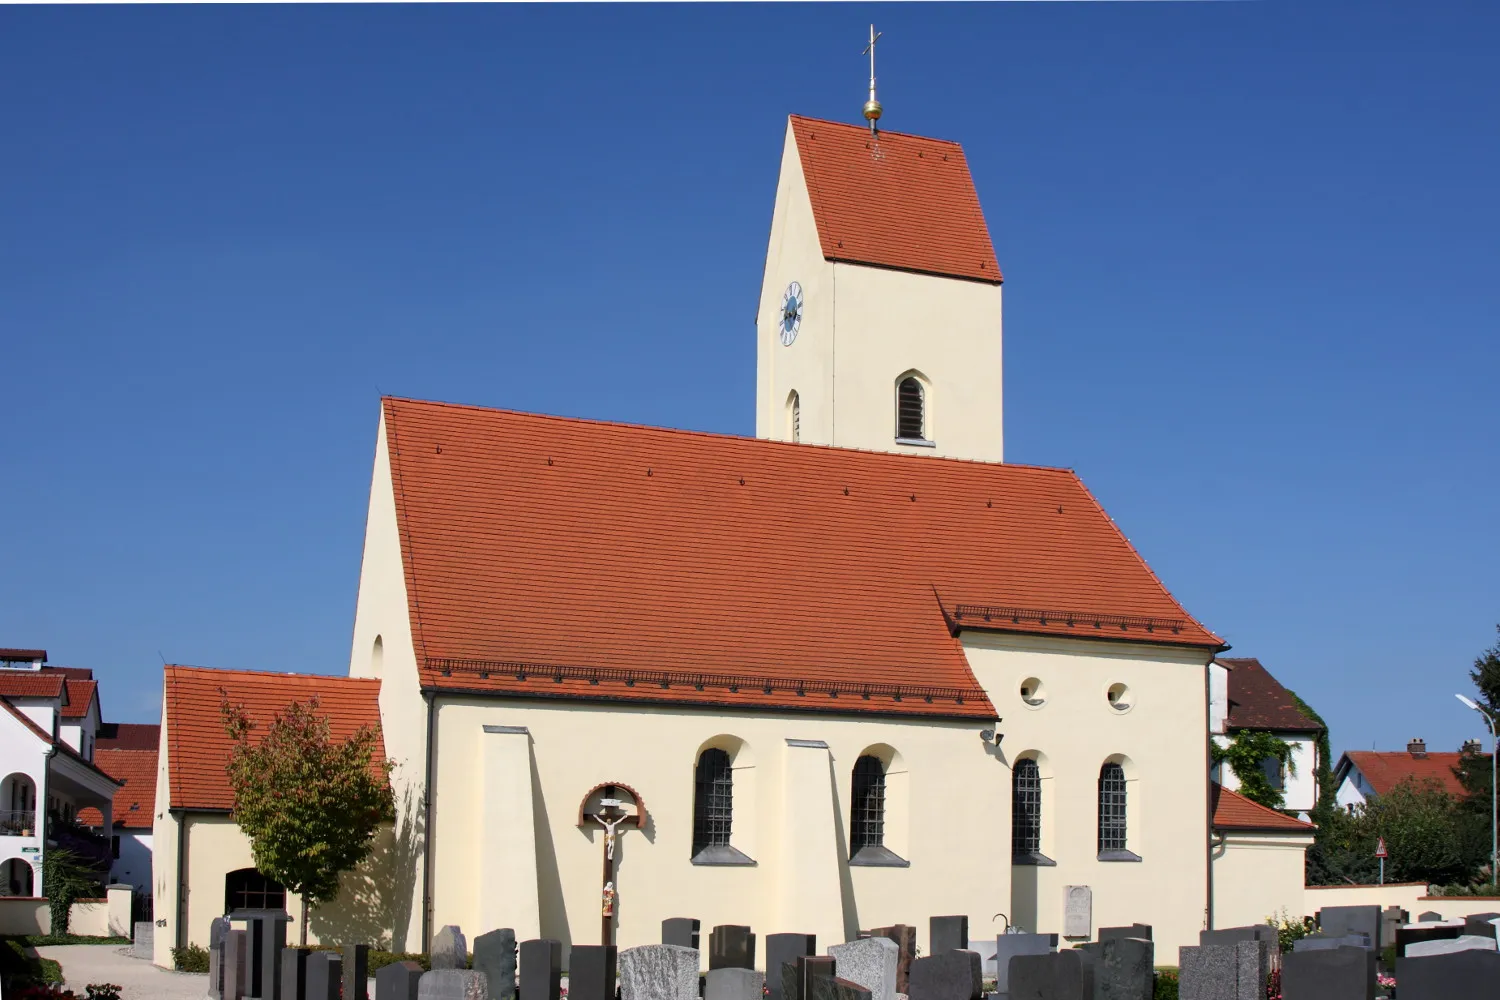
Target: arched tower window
867 805
1026 809
248 889
911 415
713 800
377 657
1112 808
794 416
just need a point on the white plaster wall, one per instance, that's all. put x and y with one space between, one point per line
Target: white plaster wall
133 866
1299 789
949 828
42 711
1407 895
1218 698
165 839
89 918
1350 792
23 753
1258 876
1073 733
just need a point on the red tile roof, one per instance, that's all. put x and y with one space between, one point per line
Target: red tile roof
198 747
1258 701
636 563
913 209
23 654
71 673
1232 811
128 736
135 802
1385 770
31 684
80 695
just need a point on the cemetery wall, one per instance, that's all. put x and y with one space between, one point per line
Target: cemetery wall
1410 896
948 810
1068 723
24 915
1258 875
89 918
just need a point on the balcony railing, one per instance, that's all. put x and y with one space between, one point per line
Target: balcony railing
17 822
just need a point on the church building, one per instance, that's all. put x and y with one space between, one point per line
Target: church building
852 672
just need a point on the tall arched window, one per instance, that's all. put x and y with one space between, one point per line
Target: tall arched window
1026 811
867 811
377 657
794 416
713 800
911 422
1112 808
248 889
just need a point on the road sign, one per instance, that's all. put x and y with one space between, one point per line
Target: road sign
1380 851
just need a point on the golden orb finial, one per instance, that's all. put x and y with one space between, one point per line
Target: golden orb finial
872 111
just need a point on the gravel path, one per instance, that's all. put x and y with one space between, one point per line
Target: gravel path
137 978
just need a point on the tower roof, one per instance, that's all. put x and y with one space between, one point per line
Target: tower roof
912 208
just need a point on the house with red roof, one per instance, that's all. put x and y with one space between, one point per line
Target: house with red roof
1363 775
127 752
1247 698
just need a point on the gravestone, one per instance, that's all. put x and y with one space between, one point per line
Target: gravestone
142 939
652 972
834 988
1391 918
1063 975
591 972
731 946
783 949
325 975
797 977
264 940
728 984
1208 972
1337 921
1231 936
541 969
1252 968
1141 932
235 964
398 981
1479 923
217 928
681 931
1464 942
1407 936
947 934
1322 942
294 974
1429 916
1334 974
453 984
1007 946
953 975
870 962
450 949
1126 969
495 956
1078 911
1470 975
356 972
905 937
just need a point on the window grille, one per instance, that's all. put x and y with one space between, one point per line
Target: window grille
867 810
796 418
1026 808
1111 808
248 889
713 803
909 416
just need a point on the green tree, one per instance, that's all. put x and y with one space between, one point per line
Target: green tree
1473 769
1247 754
66 877
309 803
1423 830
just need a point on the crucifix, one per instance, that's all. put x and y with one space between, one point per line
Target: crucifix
872 106
611 805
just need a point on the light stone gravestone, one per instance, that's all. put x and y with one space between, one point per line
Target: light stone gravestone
398 981
294 974
1464 942
1007 946
733 984
143 938
1252 968
658 972
356 972
452 984
325 972
495 956
870 962
450 949
834 988
235 964
1078 911
217 928
1208 972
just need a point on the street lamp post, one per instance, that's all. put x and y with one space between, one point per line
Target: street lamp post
1489 720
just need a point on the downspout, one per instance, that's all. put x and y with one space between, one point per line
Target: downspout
1208 799
428 793
181 930
39 882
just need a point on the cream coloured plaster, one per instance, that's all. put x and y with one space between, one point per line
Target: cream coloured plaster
1161 744
166 829
1258 876
507 852
797 815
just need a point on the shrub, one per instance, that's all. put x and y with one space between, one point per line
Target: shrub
380 959
1166 985
45 991
102 991
193 958
1288 928
19 970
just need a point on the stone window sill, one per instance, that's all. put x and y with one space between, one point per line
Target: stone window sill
1119 855
1033 858
723 855
877 857
917 442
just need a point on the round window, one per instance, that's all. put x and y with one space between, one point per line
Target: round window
1033 693
1120 698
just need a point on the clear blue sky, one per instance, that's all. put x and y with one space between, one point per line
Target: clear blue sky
1251 253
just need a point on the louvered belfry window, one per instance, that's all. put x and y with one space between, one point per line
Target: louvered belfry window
1111 808
867 810
713 802
1026 808
909 416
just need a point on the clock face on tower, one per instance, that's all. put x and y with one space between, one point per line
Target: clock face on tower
791 313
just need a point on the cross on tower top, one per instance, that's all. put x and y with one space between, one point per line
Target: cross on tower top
872 106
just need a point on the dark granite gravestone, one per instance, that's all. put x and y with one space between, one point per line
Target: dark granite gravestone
1428 917
217 928
1209 971
398 981
294 974
1230 936
357 972
1322 942
1141 932
1008 946
449 949
591 972
1470 975
905 937
731 946
1126 969
785 949
541 969
325 975
734 984
681 931
1335 974
495 956
234 966
1479 923
947 934
1063 975
1411 935
265 937
1337 921
953 975
833 988
797 977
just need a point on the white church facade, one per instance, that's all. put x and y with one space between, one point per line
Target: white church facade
857 671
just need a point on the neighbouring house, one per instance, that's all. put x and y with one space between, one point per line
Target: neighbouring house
1248 698
1362 775
1259 861
127 752
49 718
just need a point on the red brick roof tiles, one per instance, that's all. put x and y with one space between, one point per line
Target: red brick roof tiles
31 684
1258 701
135 802
80 696
198 747
1385 770
128 736
914 208
1232 811
673 566
11 653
